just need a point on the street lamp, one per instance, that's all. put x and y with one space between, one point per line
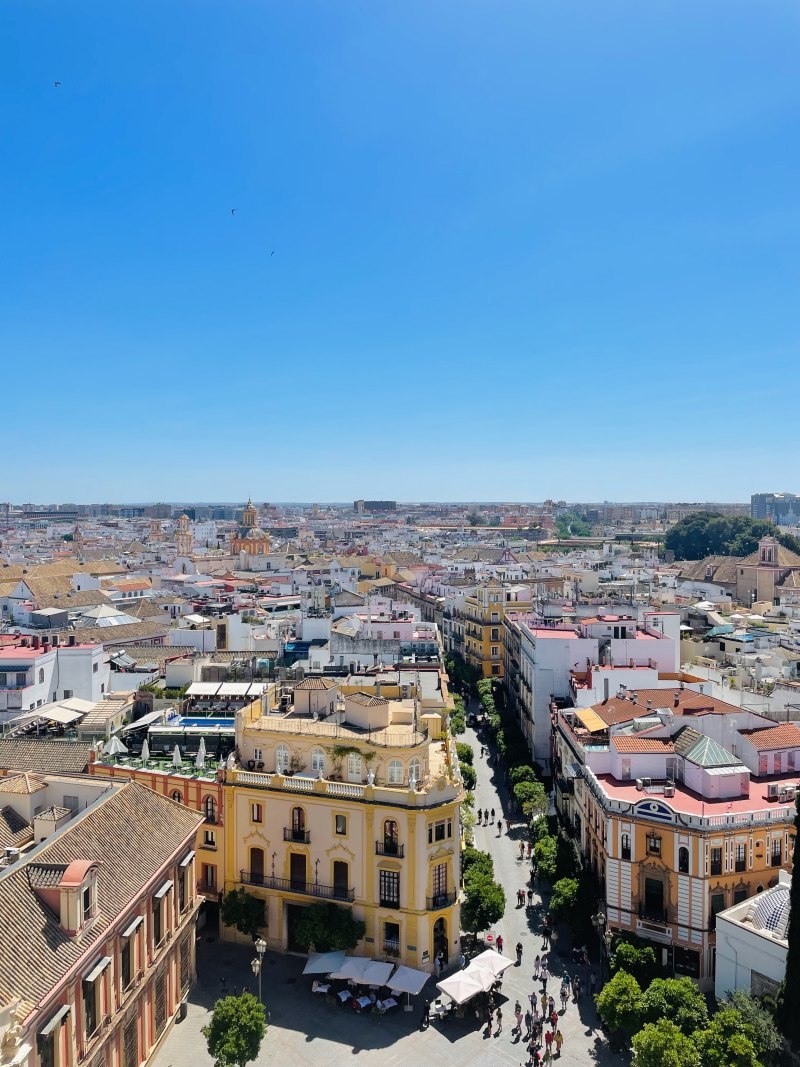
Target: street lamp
257 962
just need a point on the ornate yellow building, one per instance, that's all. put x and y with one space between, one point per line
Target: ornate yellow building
248 537
352 798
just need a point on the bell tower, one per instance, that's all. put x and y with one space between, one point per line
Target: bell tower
183 538
250 516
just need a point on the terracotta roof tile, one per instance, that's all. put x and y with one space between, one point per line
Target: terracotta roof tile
785 735
642 744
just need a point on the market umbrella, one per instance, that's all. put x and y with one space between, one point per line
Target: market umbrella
460 987
482 975
492 961
408 980
352 968
376 973
115 747
145 751
324 962
200 762
177 761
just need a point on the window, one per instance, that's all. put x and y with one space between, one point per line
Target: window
94 670
258 755
354 766
71 802
298 824
41 674
67 694
390 837
22 679
318 760
256 813
739 895
46 1043
440 830
716 861
495 650
281 759
683 859
341 824
126 970
391 939
341 879
87 904
389 889
395 772
90 1007
210 809
209 875
414 770
439 882
741 857
654 844
210 838
495 668
158 932
717 905
777 852
626 846
177 795
182 889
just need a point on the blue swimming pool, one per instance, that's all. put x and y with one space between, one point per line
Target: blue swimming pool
200 720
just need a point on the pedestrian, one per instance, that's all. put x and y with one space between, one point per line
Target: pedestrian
462 961
528 1023
499 942
536 965
548 1038
499 827
522 850
492 818
547 1059
563 997
530 849
558 1038
480 816
520 898
533 998
551 1005
536 1057
519 953
499 1017
592 984
530 897
576 987
485 816
439 962
543 1004
553 1019
426 1015
518 1017
544 974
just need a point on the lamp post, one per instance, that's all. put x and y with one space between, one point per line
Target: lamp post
257 962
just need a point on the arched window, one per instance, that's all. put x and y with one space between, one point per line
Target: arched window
177 795
626 846
354 767
390 837
318 761
298 819
281 759
210 809
415 769
394 774
41 675
683 859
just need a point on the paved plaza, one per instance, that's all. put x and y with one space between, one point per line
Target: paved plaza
304 1029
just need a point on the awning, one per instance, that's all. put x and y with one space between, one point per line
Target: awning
202 689
62 716
234 689
98 969
490 961
187 859
256 689
129 931
573 770
165 888
408 980
146 720
324 962
376 973
61 1014
591 720
460 987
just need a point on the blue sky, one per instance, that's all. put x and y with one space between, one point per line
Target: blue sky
522 248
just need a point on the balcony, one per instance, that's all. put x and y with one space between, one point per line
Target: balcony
207 889
777 859
389 902
388 848
653 915
391 948
741 865
715 868
295 885
441 900
301 837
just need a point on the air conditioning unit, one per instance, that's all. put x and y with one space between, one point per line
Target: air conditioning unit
669 790
640 784
787 793
646 783
11 855
773 790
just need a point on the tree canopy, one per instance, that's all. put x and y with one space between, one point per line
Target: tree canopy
236 1030
758 1023
618 1002
243 911
663 1044
725 1042
708 534
328 928
638 960
564 897
677 999
484 902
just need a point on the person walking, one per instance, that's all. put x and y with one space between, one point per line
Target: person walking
530 897
530 849
499 827
462 961
518 1017
499 942
426 1015
520 898
564 997
543 1005
576 988
534 999
536 965
551 1005
547 1059
592 984
519 953
544 974
492 818
522 850
548 1038
528 1024
558 1040
499 1018
536 1056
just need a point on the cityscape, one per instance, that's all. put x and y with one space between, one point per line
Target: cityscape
400 534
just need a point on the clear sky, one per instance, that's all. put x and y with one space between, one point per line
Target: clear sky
522 248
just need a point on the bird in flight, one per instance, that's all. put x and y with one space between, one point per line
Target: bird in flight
57 85
272 253
233 211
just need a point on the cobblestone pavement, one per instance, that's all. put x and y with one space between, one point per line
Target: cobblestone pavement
305 1030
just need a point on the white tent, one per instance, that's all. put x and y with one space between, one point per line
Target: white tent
489 960
460 987
176 757
408 980
200 761
115 747
324 962
484 977
145 751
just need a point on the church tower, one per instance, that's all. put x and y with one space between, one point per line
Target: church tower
183 538
250 516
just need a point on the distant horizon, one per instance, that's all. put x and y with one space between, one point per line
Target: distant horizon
260 502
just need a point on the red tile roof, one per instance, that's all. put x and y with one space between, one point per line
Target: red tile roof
785 735
642 744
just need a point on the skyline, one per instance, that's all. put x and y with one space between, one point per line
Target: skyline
519 253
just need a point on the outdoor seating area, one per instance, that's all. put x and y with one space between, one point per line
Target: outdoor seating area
361 984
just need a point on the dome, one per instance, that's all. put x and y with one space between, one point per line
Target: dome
255 534
771 913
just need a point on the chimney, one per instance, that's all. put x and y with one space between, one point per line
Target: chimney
676 701
649 704
35 642
702 688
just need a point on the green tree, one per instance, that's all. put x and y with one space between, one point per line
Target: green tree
758 1023
484 903
531 797
469 776
563 898
236 1030
725 1043
328 928
522 773
545 852
677 999
465 753
788 1014
709 534
618 1002
243 911
663 1044
638 960
472 859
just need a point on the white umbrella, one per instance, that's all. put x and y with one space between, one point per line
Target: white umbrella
409 980
200 762
115 747
352 968
482 975
176 757
377 973
460 987
492 961
324 962
145 751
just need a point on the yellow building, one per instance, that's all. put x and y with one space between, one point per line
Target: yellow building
248 538
484 612
682 806
359 804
